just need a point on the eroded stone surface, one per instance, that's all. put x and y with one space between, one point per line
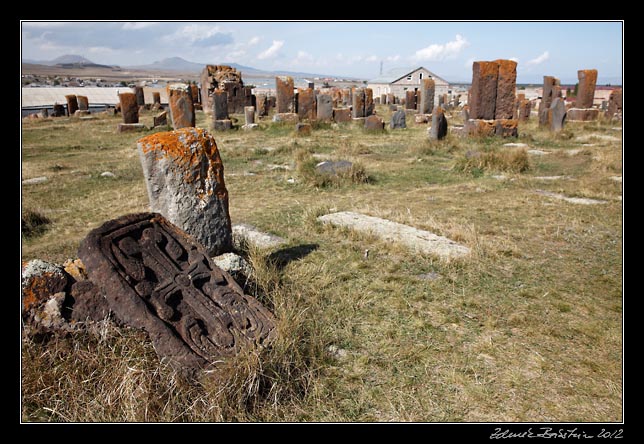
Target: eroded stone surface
184 176
574 200
438 131
129 108
156 277
285 94
160 119
72 104
306 103
182 108
251 235
427 91
418 240
374 123
506 89
586 92
341 115
324 107
398 120
482 102
83 103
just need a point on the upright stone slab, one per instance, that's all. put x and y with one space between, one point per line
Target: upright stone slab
427 91
306 103
220 105
58 110
285 94
156 277
358 106
249 114
551 90
391 99
262 105
184 176
485 77
140 97
129 108
506 89
410 99
465 113
557 114
438 130
398 120
586 92
72 104
194 91
524 110
506 127
182 109
383 99
347 99
160 119
614 103
156 98
368 102
341 115
83 103
324 107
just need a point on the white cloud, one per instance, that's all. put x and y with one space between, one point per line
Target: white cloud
200 34
272 51
539 59
394 58
371 58
128 26
303 57
235 55
100 50
254 41
435 51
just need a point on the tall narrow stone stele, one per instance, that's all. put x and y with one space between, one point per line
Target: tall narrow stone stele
83 103
324 107
586 92
72 104
140 97
129 108
182 109
438 131
285 94
368 102
551 90
184 176
306 103
557 114
358 99
506 89
427 91
485 77
410 99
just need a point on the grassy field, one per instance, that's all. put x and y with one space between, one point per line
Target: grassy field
529 328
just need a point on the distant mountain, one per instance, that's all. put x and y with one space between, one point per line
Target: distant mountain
71 58
171 64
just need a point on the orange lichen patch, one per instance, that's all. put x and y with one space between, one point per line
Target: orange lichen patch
487 69
40 287
76 269
506 65
480 127
187 147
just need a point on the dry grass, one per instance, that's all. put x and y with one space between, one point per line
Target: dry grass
527 329
506 160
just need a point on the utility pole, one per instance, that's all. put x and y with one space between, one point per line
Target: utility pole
381 67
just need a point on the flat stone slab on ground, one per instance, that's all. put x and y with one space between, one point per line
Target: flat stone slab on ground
125 127
549 177
158 278
516 145
538 152
255 237
35 180
575 200
616 178
333 167
418 240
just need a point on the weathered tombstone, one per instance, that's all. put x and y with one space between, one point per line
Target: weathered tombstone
465 113
156 277
262 105
614 103
485 76
391 99
72 104
548 94
506 127
586 92
83 103
346 97
140 97
582 114
525 108
410 99
161 119
222 125
194 90
285 94
182 109
438 131
358 106
184 176
341 115
506 89
306 103
368 102
557 114
479 127
156 98
324 107
220 105
129 108
303 129
398 120
286 118
427 90
374 123
383 99
249 114
58 110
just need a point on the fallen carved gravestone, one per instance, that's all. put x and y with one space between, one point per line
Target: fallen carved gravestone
184 176
156 277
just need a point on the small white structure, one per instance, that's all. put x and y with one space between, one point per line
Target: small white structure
399 80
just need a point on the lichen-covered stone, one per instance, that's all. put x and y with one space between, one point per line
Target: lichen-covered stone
83 103
182 109
341 115
184 176
368 102
582 114
427 91
506 127
586 92
306 104
285 94
485 77
72 104
410 99
374 123
129 108
40 280
506 89
358 102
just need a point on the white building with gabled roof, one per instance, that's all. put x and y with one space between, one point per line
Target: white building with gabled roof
399 80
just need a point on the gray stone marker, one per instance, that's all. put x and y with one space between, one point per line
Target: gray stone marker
184 176
249 114
557 114
438 131
417 240
398 120
325 107
251 235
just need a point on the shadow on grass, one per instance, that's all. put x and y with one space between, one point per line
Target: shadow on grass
281 258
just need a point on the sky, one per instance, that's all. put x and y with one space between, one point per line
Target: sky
352 49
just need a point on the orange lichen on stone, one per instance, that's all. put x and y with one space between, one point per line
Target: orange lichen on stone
76 269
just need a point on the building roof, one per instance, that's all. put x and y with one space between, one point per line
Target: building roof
40 97
398 73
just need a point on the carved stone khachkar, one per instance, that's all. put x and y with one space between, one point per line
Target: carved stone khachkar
184 176
129 108
182 109
156 277
285 94
228 79
306 103
72 104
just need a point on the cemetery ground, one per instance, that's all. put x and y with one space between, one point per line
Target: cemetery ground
528 327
